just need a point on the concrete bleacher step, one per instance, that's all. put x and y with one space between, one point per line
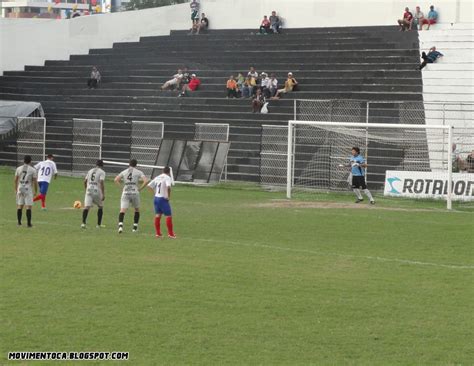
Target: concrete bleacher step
375 63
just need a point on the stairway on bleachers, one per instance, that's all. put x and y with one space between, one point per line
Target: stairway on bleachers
366 63
448 84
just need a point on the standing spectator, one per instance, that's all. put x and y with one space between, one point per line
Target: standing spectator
432 18
407 20
194 5
248 87
418 18
203 25
258 101
94 80
231 87
275 22
273 85
193 85
290 84
174 82
265 25
431 57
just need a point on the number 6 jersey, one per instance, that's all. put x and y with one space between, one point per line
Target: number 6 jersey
93 177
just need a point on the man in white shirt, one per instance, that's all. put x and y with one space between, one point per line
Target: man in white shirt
173 83
95 192
130 178
46 170
161 186
25 183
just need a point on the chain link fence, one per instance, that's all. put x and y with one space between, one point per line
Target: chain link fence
218 132
31 138
86 143
273 156
145 143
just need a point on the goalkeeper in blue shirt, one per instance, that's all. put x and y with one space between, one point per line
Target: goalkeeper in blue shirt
358 165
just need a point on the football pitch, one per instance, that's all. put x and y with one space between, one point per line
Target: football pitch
251 280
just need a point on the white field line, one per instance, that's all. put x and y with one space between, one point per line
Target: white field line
268 246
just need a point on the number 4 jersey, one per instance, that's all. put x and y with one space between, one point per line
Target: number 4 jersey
131 177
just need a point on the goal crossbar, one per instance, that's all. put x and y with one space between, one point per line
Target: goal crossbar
140 165
291 151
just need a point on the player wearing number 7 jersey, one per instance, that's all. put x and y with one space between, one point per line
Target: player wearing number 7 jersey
131 193
95 192
46 169
161 186
25 183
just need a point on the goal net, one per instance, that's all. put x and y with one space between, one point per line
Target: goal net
412 161
86 143
31 138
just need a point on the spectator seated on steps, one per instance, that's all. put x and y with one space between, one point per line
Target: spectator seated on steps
407 20
232 88
174 82
192 86
265 26
431 57
94 80
469 163
275 22
290 85
432 18
185 79
273 86
265 84
258 101
249 86
418 17
202 25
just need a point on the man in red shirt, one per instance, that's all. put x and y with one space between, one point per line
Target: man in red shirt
407 20
193 85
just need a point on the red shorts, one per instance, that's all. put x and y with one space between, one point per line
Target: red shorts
429 21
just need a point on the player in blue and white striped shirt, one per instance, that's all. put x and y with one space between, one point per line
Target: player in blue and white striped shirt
358 165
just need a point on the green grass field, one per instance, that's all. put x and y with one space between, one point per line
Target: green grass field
247 282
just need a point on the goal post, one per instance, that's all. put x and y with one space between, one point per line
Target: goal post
318 154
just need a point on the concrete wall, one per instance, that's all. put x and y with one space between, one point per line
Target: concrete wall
32 41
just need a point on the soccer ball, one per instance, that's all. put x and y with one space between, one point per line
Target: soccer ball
77 204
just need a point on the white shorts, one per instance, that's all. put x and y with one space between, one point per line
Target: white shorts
128 200
93 198
24 198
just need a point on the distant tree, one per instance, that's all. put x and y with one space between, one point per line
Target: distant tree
146 4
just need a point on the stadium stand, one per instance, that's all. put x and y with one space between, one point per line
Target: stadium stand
364 63
448 84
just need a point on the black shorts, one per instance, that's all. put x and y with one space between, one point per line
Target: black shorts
358 182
